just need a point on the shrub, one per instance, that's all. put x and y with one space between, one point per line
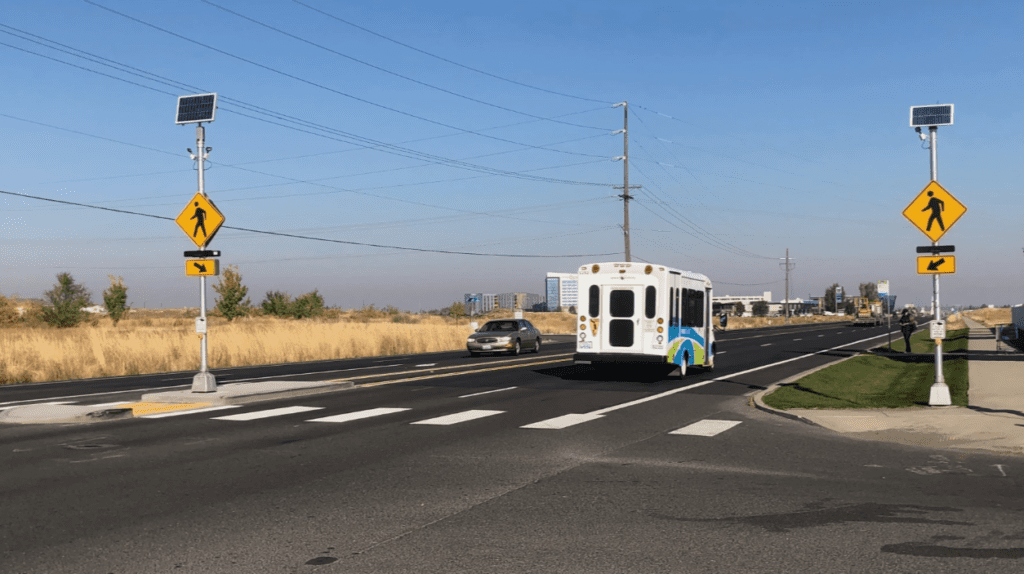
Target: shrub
66 301
231 302
309 305
759 308
115 298
277 303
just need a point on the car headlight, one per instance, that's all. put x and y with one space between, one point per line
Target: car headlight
503 339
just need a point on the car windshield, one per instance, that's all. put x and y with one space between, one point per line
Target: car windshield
500 326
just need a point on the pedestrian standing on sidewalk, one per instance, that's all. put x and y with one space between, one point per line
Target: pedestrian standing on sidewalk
907 326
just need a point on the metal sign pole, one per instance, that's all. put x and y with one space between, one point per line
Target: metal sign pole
939 395
203 381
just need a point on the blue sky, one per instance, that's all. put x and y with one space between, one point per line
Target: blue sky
754 127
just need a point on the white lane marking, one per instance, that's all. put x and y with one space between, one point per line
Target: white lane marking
767 345
798 339
357 415
33 404
426 365
1000 467
562 422
707 427
193 411
720 352
487 392
112 404
266 414
821 335
458 418
731 376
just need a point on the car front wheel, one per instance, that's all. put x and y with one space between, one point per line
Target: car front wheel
515 350
536 348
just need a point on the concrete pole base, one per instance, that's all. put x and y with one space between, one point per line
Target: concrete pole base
204 382
939 396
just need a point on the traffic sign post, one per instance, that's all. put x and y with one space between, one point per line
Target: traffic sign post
934 211
200 221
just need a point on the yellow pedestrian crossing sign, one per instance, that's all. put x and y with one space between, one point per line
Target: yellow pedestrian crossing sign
934 211
200 220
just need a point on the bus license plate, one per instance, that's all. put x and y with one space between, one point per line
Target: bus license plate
586 345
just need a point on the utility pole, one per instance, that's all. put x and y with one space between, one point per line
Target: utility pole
625 174
788 267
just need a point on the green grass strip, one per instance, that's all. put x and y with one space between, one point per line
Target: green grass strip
870 381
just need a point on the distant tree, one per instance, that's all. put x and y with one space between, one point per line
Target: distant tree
759 308
457 309
66 301
830 297
277 303
869 290
739 308
115 299
231 302
849 308
309 305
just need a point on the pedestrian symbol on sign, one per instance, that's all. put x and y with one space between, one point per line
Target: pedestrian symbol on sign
200 217
936 205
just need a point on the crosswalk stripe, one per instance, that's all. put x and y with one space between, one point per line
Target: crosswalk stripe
266 414
706 428
458 418
188 412
562 421
357 415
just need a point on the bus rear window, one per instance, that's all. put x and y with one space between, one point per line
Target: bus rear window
595 301
651 301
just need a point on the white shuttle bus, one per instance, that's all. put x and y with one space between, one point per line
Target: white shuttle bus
644 313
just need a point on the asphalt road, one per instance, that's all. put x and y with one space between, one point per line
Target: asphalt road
441 463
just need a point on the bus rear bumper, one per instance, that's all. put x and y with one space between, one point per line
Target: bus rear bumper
591 358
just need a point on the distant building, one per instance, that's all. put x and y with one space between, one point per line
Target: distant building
562 290
727 303
524 301
479 303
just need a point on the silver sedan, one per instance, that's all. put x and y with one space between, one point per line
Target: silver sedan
504 336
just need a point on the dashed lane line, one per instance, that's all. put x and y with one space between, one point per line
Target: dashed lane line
487 392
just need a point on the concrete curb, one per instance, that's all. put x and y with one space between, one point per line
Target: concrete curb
757 399
245 393
53 414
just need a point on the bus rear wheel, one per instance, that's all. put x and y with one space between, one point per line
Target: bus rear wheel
682 368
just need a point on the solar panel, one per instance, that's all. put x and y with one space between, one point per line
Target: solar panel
941 115
197 108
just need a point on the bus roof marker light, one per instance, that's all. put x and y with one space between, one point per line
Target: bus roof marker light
595 268
648 269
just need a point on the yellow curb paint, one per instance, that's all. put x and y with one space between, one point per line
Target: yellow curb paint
139 409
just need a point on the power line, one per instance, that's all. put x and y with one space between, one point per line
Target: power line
322 239
335 134
387 71
404 45
317 85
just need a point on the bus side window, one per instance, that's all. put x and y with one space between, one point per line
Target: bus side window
698 309
595 301
685 318
675 306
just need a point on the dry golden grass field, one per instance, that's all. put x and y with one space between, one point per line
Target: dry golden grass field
163 340
159 341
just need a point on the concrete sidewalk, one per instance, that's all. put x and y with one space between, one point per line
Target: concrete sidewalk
992 421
